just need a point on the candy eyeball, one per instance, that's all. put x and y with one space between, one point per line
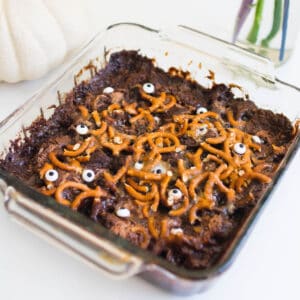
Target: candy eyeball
170 173
123 212
157 119
117 140
202 130
179 149
88 175
139 165
148 88
108 90
82 129
159 169
256 139
76 146
201 110
239 148
176 231
51 175
175 193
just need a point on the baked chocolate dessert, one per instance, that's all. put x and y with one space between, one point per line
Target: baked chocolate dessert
161 161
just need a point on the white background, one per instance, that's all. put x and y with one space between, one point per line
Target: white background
269 263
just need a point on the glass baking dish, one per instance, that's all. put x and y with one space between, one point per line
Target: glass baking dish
183 48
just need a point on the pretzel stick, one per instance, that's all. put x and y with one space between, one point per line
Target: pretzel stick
68 184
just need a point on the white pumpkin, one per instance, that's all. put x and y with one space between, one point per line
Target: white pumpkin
36 35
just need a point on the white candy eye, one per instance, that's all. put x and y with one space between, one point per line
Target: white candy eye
178 149
148 88
202 130
176 231
157 119
76 146
201 110
139 165
88 175
51 175
123 213
173 195
170 173
256 139
82 129
117 140
108 90
239 148
159 169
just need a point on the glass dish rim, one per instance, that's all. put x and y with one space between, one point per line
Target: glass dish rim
148 258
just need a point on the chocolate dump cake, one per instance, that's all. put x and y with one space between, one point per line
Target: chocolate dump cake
161 161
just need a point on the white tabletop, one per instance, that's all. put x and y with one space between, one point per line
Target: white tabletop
267 267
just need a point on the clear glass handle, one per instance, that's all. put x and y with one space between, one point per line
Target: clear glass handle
92 249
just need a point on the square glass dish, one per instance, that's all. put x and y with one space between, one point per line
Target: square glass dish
179 47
